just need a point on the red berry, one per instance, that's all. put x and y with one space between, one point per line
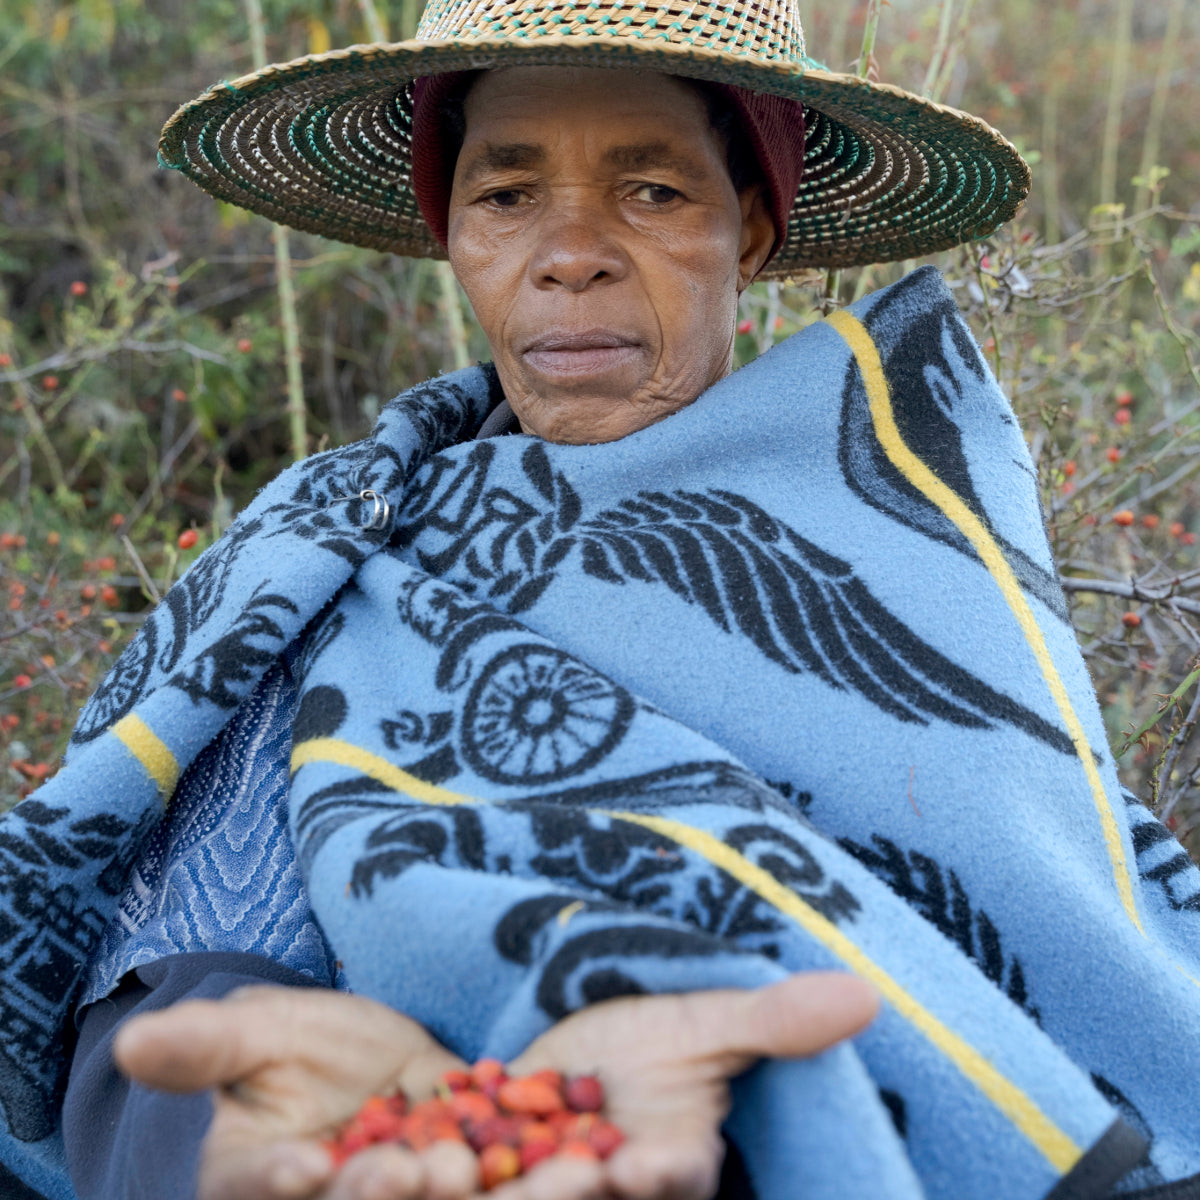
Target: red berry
1067 487
1150 521
584 1093
1188 539
21 681
530 1096
245 345
1131 620
88 591
10 721
1114 455
116 521
577 1149
1122 416
108 594
1069 468
532 1153
487 1075
605 1138
456 1081
1175 528
497 1164
78 288
179 396
986 262
1123 517
1124 399
50 382
506 1130
187 539
106 563
471 1106
745 326
5 360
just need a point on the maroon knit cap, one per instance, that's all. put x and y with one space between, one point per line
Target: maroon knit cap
773 125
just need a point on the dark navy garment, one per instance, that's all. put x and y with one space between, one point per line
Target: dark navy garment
124 1141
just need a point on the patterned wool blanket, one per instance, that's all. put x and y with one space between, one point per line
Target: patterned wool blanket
783 682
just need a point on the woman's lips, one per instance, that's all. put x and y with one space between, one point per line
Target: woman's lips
579 353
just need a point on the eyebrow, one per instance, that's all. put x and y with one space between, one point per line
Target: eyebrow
634 157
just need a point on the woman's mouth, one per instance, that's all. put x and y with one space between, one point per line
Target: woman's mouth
579 353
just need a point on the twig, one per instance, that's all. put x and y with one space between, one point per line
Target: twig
1130 591
151 591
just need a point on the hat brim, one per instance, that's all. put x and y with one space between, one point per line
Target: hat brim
322 144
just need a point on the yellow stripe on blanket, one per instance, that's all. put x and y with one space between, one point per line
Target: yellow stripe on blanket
1059 1149
919 474
151 751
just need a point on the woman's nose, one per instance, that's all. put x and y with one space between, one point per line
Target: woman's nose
576 248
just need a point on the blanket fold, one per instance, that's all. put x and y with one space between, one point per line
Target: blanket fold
676 712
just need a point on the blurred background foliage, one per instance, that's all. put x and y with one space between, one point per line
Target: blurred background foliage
151 377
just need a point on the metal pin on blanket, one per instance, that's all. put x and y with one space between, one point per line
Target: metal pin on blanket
381 512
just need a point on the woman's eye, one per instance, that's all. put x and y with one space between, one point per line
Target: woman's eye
505 198
656 193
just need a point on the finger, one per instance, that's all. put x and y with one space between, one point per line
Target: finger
557 1179
206 1043
451 1171
282 1171
664 1169
380 1173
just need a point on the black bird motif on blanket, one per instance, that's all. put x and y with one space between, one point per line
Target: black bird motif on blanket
803 608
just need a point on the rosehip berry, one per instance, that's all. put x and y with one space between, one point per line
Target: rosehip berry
1067 487
472 1106
1131 620
78 288
1124 399
605 1138
116 520
745 326
88 591
1114 455
1150 521
53 538
245 345
530 1096
105 647
456 1081
1175 528
1069 468
584 1093
50 382
506 1130
986 262
10 720
1123 517
109 595
21 681
1188 539
106 563
538 1131
5 360
179 396
577 1149
1122 416
487 1075
532 1153
497 1164
187 539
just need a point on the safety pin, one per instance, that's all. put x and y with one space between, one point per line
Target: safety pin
381 512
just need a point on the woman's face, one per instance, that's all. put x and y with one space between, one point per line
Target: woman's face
598 237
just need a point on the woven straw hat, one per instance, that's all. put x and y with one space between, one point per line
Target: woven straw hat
323 143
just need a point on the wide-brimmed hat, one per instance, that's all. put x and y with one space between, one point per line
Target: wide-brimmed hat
323 143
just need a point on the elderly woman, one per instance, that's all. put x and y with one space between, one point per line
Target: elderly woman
601 672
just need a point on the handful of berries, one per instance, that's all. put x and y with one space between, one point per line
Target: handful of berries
512 1123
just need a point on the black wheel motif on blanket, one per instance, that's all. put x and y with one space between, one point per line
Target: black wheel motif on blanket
537 715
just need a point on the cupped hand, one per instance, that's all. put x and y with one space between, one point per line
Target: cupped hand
666 1063
287 1067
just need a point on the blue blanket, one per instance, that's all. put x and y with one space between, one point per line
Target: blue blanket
783 682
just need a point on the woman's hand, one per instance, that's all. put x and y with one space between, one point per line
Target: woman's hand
666 1063
289 1065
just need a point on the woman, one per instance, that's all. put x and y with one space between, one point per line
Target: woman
531 686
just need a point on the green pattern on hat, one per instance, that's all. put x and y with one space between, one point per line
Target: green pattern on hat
323 143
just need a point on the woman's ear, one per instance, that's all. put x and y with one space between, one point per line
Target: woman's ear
758 234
